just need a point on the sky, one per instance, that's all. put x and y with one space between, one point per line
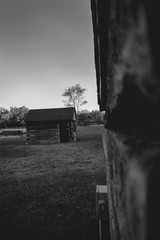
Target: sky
45 47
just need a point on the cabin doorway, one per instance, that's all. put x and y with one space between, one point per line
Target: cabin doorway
64 132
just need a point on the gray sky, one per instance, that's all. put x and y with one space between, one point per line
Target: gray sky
45 46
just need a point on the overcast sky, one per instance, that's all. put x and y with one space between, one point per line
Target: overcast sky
45 46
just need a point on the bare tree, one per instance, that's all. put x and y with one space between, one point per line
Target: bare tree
75 96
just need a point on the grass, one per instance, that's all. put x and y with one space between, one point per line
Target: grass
48 191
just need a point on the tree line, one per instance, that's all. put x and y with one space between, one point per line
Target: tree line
15 117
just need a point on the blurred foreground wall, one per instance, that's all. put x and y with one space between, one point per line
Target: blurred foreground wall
127 60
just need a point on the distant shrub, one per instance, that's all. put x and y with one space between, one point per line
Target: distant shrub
83 119
89 118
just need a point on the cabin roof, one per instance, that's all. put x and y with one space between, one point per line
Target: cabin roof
52 114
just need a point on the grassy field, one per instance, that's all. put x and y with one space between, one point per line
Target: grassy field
48 191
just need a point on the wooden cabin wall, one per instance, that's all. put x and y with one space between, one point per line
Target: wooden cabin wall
46 133
43 133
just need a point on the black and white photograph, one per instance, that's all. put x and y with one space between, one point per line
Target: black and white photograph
79 119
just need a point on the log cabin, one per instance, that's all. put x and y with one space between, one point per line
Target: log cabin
47 126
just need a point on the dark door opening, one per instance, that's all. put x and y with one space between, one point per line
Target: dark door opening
64 132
